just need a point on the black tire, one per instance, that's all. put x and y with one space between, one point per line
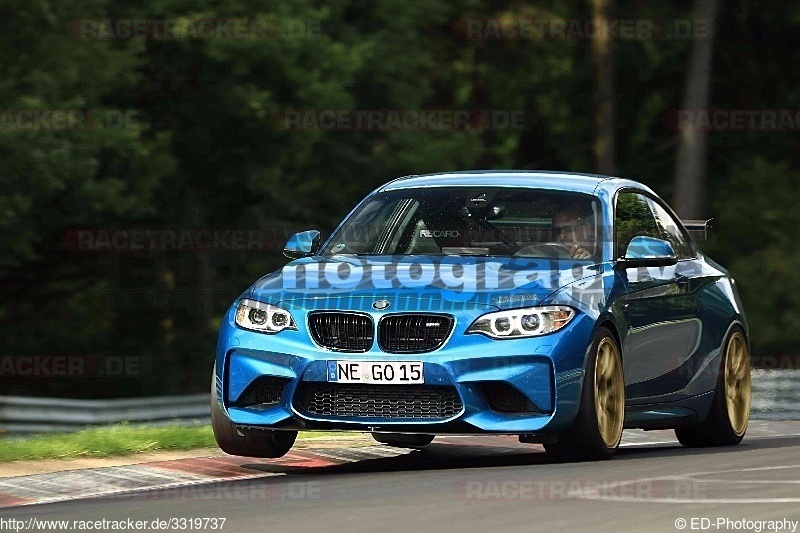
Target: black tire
247 442
403 440
584 440
718 429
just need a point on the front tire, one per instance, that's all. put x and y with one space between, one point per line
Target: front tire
403 440
247 442
730 409
597 430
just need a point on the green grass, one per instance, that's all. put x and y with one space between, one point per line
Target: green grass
119 439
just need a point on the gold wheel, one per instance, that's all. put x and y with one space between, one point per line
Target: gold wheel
609 392
737 383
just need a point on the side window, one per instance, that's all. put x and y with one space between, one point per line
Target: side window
633 218
671 231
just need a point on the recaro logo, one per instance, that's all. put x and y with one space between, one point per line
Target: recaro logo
439 233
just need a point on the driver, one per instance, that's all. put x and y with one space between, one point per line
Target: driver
572 228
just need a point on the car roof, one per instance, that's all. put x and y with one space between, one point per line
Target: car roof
538 179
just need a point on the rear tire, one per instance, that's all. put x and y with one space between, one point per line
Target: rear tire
247 442
597 430
730 409
403 440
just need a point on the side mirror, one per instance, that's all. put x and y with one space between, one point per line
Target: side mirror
648 251
302 244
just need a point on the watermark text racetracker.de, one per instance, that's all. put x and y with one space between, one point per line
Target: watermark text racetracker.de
47 120
398 119
73 366
537 29
188 28
721 523
734 119
611 489
136 238
256 490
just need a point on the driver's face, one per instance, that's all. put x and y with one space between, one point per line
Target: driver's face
568 228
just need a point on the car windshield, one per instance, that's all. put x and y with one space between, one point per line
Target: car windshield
479 221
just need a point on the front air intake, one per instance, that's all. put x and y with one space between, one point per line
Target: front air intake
505 398
265 391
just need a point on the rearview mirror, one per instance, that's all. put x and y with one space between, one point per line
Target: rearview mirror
302 244
648 251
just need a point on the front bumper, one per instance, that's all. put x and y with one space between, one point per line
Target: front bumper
547 371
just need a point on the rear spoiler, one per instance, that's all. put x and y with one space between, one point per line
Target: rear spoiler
700 230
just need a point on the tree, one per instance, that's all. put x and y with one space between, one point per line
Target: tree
692 159
605 141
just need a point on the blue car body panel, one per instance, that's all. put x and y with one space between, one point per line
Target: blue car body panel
671 324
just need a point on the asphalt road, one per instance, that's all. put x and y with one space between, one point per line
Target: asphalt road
493 484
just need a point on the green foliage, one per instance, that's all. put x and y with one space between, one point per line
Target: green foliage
119 439
107 441
758 224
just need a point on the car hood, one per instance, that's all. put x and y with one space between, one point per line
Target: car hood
417 282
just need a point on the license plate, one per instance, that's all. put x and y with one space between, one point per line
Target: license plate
377 372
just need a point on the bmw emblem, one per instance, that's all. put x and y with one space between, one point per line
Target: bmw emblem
380 305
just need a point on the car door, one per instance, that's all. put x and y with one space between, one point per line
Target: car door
684 356
662 326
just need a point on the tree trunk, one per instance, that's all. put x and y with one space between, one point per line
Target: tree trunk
690 171
605 141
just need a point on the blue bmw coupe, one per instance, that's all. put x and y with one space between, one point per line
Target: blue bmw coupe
558 307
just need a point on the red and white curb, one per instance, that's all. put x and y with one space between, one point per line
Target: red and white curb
163 475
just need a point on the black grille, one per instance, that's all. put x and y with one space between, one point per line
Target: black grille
345 332
378 401
410 333
264 391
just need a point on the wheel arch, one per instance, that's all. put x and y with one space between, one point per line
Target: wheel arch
607 322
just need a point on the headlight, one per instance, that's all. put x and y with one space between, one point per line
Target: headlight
527 322
266 318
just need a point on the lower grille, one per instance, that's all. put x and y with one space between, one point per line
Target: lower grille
378 401
413 333
345 332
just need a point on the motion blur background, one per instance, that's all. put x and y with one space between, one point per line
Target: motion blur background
153 157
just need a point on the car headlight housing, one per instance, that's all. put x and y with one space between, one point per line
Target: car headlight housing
264 318
520 323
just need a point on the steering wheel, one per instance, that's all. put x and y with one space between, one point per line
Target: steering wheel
551 250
